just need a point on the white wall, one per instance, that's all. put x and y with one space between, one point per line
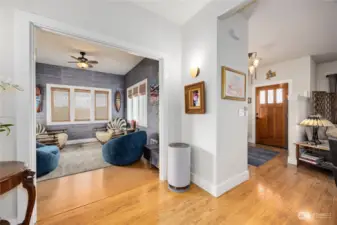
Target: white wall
232 155
322 70
298 74
200 47
122 21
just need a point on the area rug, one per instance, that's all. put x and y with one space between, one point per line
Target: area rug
259 156
78 158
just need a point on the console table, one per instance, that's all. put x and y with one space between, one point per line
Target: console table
13 173
322 150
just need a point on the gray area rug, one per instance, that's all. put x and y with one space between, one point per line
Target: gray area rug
259 156
78 158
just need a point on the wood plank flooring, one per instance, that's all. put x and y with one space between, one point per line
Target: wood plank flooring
275 194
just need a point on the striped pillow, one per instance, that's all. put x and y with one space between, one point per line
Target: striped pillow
40 129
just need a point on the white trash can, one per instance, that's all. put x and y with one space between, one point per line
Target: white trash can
179 167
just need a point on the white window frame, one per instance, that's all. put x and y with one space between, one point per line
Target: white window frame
142 122
72 105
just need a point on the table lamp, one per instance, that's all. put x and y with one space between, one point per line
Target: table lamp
316 121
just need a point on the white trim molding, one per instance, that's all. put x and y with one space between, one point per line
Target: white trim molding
268 83
292 161
231 183
24 75
218 190
204 184
72 103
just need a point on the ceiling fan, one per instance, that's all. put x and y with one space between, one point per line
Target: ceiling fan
83 62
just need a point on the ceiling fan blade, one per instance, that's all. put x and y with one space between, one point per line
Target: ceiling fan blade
75 58
92 61
72 62
89 65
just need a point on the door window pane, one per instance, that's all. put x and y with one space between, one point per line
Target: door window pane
270 96
262 97
279 95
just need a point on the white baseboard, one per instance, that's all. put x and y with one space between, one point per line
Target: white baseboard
80 141
202 183
231 183
292 161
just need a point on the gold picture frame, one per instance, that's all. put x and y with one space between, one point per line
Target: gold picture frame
195 98
233 84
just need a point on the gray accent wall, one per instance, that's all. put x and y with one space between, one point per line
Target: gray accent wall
51 74
149 69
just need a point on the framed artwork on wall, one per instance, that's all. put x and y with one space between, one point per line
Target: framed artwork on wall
117 101
38 99
233 84
195 98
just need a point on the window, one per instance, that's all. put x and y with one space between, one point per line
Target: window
60 104
82 104
101 105
262 97
270 96
77 105
137 103
279 95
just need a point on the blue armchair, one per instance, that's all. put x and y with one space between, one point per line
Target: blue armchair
125 150
47 158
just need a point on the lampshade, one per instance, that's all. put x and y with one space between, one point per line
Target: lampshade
316 121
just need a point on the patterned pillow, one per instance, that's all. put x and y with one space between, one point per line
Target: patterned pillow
40 129
116 124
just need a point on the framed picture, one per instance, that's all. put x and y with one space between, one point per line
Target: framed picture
38 99
233 84
195 98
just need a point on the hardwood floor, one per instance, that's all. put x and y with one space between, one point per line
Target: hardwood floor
275 194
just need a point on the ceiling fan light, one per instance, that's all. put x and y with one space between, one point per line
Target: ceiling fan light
82 65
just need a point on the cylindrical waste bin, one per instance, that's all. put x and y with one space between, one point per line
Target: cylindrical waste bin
179 167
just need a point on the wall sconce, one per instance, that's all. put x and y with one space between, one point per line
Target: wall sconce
195 72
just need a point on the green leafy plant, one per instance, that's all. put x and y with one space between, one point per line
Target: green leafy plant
5 128
7 85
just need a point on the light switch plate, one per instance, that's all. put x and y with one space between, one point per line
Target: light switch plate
241 112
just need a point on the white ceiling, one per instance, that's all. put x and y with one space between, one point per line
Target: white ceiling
56 49
288 29
177 11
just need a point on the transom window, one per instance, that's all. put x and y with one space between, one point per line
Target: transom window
76 105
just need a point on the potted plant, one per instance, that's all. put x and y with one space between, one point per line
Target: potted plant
5 86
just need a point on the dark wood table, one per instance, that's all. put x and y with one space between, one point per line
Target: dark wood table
13 173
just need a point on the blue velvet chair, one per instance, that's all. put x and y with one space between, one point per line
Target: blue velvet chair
47 158
125 150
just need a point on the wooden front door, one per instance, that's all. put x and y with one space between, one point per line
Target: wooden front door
272 115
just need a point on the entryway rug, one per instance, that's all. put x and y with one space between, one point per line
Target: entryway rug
259 156
78 158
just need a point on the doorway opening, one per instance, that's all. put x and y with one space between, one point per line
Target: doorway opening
271 109
27 106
